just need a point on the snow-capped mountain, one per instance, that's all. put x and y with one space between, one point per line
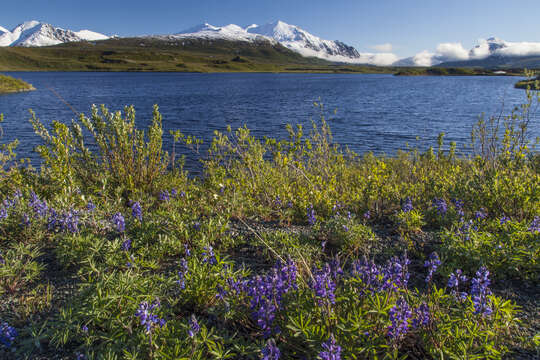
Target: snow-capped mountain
486 48
35 33
209 32
290 36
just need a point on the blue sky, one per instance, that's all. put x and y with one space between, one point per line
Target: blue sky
410 26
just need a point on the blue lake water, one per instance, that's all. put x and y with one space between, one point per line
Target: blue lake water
379 113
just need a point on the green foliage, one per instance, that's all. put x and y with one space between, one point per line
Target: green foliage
204 246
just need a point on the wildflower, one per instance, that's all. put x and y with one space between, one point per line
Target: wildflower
400 315
345 228
458 205
277 201
164 195
368 272
84 329
40 207
126 245
182 194
182 273
79 356
367 215
535 225
289 204
25 220
407 205
3 213
266 293
186 250
7 334
270 351
209 256
174 192
455 279
395 273
422 316
480 291
504 220
432 264
147 317
480 214
90 206
323 285
197 225
331 351
119 222
194 327
312 219
441 206
136 210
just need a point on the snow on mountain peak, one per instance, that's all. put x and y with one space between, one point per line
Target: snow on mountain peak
3 30
35 33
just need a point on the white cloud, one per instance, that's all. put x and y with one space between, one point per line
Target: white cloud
520 49
380 59
486 47
385 48
452 51
424 58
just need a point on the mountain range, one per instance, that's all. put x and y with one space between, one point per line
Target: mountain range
491 52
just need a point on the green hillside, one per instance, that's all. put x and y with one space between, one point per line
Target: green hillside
189 55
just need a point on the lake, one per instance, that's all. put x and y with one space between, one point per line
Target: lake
378 113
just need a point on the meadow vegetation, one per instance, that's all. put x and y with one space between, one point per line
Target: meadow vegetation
289 248
9 84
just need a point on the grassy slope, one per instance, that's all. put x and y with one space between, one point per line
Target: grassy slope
138 54
9 85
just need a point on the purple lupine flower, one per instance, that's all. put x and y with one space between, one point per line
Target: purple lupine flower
194 327
289 204
39 206
197 225
504 220
422 316
441 206
312 218
90 206
70 221
270 351
136 210
174 192
182 194
432 264
131 261
186 250
456 278
266 293
119 221
345 228
396 274
480 214
407 205
80 356
126 245
146 315
368 272
182 273
209 256
323 285
367 215
3 213
458 205
7 334
164 195
535 225
277 201
399 316
25 221
84 329
480 291
331 351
